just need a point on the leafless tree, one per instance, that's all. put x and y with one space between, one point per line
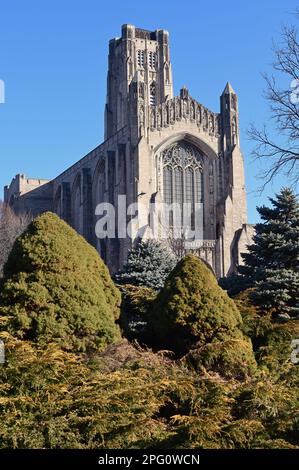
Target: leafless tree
177 243
281 150
11 226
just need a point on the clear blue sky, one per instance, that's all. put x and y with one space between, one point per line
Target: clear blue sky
53 59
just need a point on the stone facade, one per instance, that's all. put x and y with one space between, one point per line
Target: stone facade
148 134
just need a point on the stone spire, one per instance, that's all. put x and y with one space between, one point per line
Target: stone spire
229 117
228 90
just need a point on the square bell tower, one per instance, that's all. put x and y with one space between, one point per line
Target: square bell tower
138 64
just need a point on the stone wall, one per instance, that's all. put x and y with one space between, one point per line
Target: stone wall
29 195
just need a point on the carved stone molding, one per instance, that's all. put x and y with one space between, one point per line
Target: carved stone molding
184 109
182 154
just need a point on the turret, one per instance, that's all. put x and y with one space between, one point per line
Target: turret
229 118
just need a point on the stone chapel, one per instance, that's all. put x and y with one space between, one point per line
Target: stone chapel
158 148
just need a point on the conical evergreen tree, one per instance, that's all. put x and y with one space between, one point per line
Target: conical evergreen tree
148 265
57 289
191 308
272 261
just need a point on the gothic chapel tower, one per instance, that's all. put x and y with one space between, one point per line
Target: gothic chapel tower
139 71
157 148
180 150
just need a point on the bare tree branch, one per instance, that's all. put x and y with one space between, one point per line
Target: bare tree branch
11 226
284 109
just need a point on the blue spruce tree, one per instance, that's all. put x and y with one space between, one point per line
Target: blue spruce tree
148 265
272 261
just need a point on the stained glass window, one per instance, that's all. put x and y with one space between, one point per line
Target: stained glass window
183 177
167 184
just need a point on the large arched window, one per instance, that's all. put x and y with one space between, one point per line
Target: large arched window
57 202
99 182
182 167
77 206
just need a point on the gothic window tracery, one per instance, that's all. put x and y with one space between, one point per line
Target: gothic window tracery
167 184
182 167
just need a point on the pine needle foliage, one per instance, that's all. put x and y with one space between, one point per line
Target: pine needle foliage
148 265
272 261
135 311
67 390
56 288
53 399
192 308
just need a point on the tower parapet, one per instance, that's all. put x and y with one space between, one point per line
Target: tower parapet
184 108
32 195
